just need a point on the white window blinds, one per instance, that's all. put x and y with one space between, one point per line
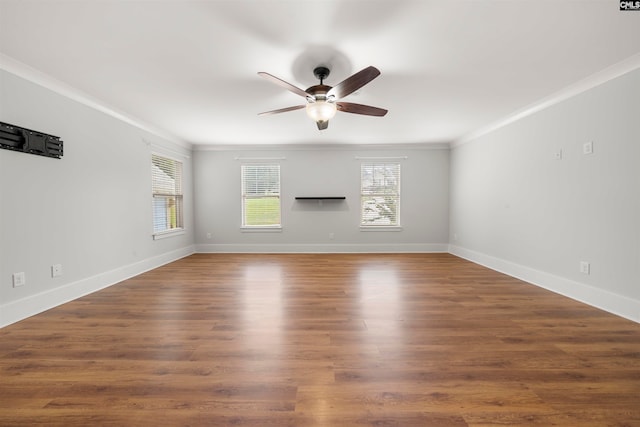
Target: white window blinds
166 183
261 195
380 194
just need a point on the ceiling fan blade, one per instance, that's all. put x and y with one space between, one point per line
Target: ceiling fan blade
322 124
284 84
367 110
353 83
282 110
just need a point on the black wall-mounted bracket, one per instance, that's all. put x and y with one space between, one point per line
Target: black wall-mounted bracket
29 141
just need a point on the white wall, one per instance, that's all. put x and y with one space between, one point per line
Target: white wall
89 211
322 171
518 209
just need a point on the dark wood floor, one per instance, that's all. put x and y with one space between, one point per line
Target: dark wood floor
321 340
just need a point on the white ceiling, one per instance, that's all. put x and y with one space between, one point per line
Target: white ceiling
189 68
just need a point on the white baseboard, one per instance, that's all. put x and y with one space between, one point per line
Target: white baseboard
613 303
21 309
324 248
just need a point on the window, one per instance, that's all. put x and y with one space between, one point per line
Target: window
261 195
166 184
380 194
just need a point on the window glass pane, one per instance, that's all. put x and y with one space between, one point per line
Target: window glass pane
262 211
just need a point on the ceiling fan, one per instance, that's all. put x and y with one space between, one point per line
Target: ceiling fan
323 101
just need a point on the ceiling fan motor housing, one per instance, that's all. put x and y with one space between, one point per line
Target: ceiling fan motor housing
318 92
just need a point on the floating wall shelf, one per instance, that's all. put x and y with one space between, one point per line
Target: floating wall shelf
321 198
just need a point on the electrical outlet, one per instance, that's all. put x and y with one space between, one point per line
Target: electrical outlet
56 270
558 154
19 279
587 147
585 267
208 235
331 236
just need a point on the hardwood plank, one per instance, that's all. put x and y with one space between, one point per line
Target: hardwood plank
321 340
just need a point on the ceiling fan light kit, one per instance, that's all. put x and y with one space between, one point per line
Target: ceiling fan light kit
321 110
322 100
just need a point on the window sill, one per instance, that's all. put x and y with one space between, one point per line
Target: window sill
169 233
259 229
380 228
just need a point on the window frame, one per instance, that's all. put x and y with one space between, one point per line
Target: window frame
366 194
244 197
176 193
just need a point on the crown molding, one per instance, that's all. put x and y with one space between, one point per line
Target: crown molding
318 146
614 71
33 75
